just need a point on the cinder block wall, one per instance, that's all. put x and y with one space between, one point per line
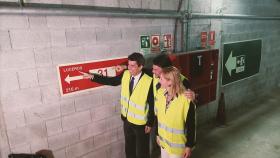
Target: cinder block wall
33 115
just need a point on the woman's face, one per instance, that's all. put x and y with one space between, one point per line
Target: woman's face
164 82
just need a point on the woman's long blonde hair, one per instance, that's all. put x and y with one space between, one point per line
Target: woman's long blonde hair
173 74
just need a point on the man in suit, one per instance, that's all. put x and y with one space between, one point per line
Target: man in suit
137 101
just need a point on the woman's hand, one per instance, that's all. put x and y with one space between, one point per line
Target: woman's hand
187 152
189 94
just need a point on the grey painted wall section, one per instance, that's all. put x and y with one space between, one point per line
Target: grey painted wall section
231 30
34 116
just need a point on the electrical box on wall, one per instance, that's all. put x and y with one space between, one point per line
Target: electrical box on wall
201 69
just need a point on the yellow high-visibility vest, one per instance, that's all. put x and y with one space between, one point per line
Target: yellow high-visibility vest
134 106
171 122
183 77
155 82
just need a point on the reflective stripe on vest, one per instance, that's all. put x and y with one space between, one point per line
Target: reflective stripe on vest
131 114
124 109
139 117
171 130
173 145
139 107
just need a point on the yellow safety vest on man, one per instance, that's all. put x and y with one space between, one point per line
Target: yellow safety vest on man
134 106
171 122
155 82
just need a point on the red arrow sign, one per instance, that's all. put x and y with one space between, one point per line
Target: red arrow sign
211 38
203 38
71 77
167 41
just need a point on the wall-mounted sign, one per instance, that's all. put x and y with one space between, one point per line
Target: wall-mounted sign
145 42
145 45
211 40
167 41
155 43
203 39
241 60
71 78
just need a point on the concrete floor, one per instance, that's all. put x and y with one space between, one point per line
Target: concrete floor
252 133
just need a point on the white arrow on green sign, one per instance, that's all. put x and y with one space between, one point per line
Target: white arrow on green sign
230 63
235 63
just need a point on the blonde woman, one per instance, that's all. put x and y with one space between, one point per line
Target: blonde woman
175 116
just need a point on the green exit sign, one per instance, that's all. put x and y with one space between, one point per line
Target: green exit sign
145 42
241 60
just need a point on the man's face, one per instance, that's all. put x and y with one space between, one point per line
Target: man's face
133 68
157 71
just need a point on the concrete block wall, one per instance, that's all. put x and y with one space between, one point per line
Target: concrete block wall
33 115
231 30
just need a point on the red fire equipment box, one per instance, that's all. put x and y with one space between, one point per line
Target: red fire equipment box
201 69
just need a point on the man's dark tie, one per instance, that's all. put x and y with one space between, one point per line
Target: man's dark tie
157 86
131 83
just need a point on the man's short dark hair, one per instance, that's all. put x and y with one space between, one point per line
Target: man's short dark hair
138 57
162 61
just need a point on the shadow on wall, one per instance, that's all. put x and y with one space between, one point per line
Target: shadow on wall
39 154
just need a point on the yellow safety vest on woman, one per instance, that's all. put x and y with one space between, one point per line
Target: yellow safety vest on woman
171 122
134 106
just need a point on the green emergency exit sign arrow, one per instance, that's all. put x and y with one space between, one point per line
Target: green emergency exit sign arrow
235 63
241 60
231 63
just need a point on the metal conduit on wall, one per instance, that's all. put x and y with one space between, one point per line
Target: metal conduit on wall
12 8
175 29
21 8
231 16
83 10
76 12
185 27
